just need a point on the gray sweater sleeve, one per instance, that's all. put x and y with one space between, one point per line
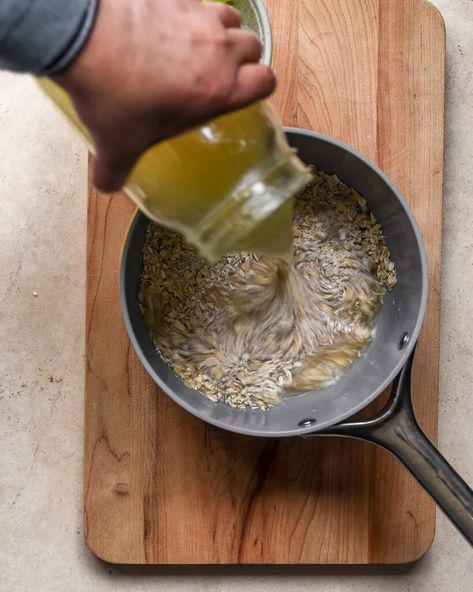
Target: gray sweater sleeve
43 36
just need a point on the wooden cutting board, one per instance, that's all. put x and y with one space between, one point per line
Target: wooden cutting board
162 487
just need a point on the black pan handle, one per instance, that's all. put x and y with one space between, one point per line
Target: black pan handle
397 430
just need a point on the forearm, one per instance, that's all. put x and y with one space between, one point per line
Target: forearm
43 36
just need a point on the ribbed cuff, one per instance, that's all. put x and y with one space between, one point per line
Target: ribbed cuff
47 36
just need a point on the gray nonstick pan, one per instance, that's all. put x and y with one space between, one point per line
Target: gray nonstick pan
388 359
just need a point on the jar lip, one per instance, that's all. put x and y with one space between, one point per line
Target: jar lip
235 218
265 30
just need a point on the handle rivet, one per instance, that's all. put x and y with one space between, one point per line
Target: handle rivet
404 341
307 423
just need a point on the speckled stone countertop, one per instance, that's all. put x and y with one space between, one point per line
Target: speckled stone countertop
42 292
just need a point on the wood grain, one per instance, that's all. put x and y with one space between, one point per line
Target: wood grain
161 486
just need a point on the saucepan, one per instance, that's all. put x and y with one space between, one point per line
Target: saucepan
388 359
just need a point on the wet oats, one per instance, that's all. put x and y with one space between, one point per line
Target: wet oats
250 330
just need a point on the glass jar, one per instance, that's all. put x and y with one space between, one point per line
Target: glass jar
226 186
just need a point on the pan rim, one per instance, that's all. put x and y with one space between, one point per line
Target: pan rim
323 426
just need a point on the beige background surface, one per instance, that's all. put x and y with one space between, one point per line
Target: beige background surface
42 250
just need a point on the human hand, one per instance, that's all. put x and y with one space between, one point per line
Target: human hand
156 68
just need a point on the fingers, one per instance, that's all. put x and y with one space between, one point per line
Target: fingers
229 16
254 82
247 45
110 176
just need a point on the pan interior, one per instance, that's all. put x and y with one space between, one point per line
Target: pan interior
399 320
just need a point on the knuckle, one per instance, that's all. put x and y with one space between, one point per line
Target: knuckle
221 40
213 86
211 39
218 90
